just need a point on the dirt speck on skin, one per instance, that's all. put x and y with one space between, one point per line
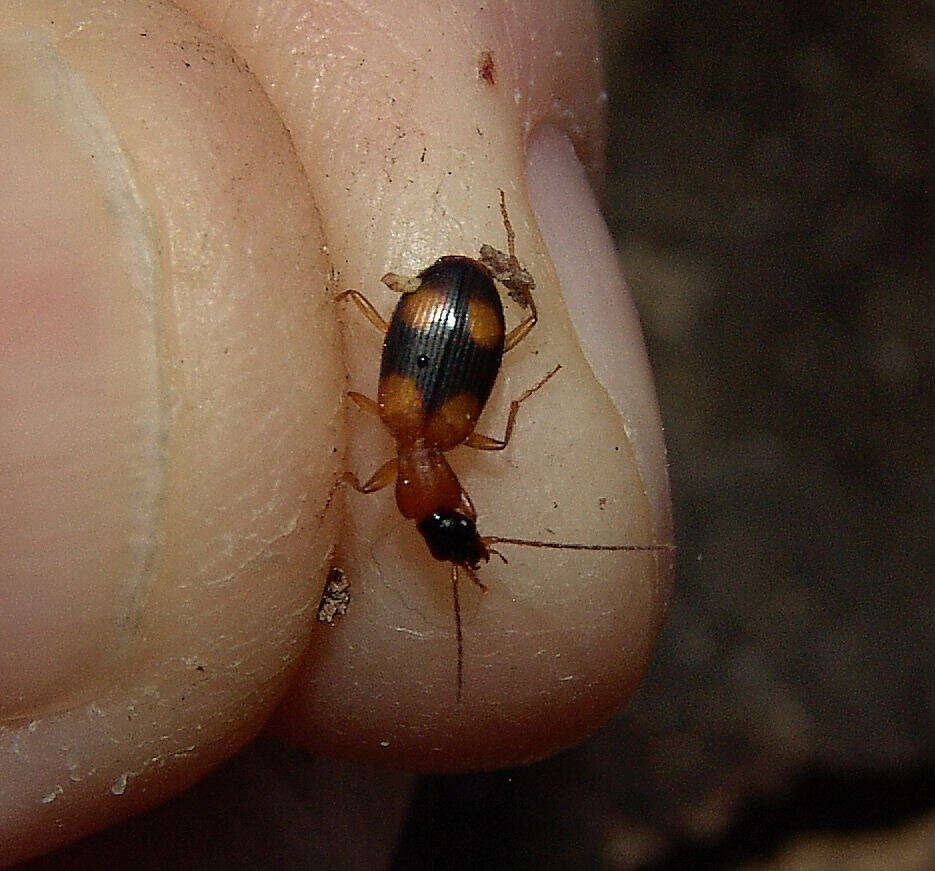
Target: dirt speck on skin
486 69
336 597
518 282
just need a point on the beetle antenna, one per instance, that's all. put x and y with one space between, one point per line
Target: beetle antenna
563 545
454 593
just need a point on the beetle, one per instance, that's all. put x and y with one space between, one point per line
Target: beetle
442 351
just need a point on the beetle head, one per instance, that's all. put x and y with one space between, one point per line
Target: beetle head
452 537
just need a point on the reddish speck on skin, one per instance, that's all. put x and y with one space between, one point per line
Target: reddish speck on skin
486 69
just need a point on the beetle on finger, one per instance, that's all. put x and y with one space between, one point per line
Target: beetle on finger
442 351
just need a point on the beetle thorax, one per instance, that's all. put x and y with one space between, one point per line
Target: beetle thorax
425 483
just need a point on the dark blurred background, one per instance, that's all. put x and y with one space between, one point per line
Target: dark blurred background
770 193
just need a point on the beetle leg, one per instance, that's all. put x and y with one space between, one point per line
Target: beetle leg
401 283
364 403
519 332
510 273
510 235
383 476
473 576
487 443
467 505
364 304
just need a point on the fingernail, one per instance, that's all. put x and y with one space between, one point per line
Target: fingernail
79 425
600 306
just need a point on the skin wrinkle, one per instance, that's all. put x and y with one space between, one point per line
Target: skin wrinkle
364 13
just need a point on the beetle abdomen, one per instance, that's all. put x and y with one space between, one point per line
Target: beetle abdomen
442 353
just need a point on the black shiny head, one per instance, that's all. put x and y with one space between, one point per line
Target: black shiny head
453 538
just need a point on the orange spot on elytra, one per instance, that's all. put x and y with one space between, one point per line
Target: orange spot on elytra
483 323
451 424
400 404
424 307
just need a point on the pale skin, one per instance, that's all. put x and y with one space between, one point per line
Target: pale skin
173 377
